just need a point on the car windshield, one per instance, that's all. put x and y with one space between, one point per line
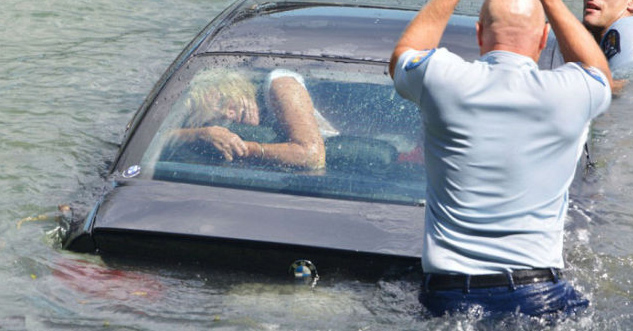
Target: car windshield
370 135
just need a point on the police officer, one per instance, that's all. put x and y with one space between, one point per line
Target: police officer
611 23
502 142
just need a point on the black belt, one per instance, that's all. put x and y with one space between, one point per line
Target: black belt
437 282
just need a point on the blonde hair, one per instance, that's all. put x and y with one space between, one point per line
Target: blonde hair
211 89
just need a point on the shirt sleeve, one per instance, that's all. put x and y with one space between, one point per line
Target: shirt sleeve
413 68
409 73
277 73
325 127
617 45
597 86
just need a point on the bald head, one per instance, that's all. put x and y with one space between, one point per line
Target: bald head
512 25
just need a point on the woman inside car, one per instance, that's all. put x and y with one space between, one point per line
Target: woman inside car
218 99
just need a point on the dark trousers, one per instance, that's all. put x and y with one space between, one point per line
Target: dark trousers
537 299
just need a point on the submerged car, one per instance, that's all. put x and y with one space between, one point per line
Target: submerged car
361 208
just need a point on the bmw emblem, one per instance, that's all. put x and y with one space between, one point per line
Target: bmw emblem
132 171
304 270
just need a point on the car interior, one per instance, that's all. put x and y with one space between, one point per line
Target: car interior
373 154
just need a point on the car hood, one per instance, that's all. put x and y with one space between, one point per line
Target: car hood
215 213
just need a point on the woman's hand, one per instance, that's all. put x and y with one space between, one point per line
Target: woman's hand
225 141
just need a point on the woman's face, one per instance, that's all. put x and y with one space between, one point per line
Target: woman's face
242 109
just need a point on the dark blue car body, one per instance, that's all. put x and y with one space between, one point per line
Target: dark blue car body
237 215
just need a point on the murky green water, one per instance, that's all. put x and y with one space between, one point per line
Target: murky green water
72 73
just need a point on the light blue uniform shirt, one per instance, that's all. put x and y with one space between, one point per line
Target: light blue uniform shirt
502 142
617 44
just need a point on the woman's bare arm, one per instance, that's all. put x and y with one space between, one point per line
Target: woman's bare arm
293 107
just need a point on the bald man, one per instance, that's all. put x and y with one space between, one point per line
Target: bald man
611 23
502 141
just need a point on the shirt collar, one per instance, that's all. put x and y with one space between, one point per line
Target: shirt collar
508 58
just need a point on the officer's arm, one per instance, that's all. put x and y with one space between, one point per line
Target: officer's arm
576 44
425 30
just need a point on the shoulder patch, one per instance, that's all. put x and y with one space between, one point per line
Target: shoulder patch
611 44
593 72
418 59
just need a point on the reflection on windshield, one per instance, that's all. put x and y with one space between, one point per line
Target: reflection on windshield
307 131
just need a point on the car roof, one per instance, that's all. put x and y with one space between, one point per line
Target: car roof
351 31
